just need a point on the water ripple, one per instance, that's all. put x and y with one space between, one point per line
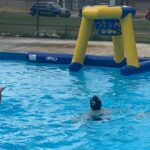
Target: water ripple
43 107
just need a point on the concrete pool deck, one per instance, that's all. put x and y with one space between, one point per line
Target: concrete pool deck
19 44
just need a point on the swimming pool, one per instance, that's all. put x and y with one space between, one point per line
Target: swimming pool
42 107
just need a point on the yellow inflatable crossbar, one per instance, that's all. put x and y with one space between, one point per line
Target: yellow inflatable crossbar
101 12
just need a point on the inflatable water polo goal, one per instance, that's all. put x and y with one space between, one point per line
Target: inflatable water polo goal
115 21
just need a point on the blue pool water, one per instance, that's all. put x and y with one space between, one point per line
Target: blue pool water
43 105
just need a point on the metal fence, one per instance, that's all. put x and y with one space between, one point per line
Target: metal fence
22 24
74 5
22 4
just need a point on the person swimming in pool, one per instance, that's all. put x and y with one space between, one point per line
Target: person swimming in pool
1 90
97 112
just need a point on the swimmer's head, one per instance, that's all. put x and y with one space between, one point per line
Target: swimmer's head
95 103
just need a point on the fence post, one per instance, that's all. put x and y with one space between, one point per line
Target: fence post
112 2
37 18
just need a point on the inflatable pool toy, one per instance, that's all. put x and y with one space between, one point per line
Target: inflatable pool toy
115 21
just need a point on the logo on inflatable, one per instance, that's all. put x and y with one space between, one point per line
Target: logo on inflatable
50 58
32 57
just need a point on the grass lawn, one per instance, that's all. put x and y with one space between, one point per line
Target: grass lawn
25 25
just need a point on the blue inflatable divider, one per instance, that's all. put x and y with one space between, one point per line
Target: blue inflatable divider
129 70
50 58
13 56
105 61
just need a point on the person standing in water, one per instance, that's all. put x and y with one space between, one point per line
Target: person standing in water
1 90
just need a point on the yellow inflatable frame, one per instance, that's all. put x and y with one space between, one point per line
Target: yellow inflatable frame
124 44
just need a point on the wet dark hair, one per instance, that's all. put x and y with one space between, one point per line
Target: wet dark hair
95 103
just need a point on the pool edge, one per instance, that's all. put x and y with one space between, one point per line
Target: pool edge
61 58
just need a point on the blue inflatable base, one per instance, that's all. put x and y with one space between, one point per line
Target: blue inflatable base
50 58
129 70
104 61
90 60
75 66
